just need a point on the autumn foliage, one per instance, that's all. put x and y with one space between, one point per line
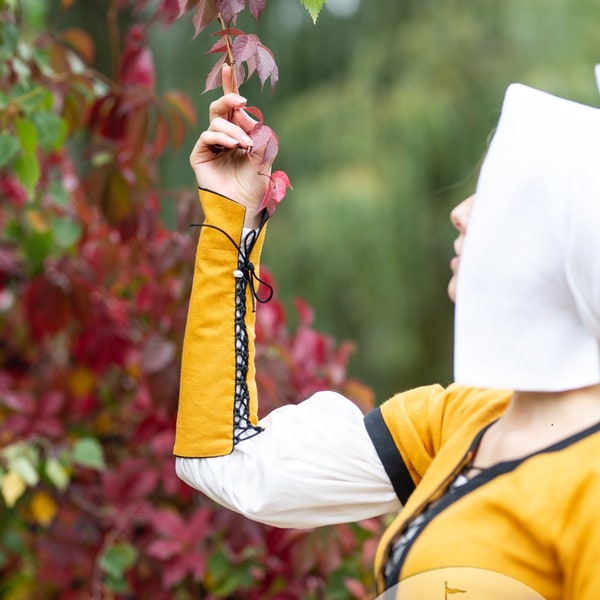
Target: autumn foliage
93 297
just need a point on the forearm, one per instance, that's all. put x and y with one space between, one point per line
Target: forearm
217 400
305 465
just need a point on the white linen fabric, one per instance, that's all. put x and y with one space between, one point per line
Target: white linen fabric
528 289
314 464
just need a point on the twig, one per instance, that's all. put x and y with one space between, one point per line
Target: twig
230 58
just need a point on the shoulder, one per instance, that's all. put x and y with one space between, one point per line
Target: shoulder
437 412
410 428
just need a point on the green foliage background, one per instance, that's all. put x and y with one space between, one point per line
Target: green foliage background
383 119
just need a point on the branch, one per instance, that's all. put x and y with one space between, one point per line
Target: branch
230 58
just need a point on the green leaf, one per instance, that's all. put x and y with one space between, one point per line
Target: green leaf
51 130
9 147
30 98
66 231
57 474
27 170
27 134
21 68
37 246
117 559
59 194
42 61
313 7
4 100
88 452
23 459
9 38
13 232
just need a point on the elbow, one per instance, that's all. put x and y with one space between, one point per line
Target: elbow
254 498
185 471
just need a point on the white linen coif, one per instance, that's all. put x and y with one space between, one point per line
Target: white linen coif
528 289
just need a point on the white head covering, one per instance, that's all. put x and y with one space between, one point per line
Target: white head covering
528 288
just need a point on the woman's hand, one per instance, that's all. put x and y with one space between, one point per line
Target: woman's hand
221 158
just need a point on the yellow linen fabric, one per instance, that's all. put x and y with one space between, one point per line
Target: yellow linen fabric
205 418
532 522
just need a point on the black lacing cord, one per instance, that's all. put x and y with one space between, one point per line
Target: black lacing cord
245 265
245 277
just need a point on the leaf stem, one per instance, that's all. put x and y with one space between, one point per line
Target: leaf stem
230 58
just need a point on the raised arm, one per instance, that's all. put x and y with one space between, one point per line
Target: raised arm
305 465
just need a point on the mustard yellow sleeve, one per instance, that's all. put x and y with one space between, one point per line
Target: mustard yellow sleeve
410 428
217 398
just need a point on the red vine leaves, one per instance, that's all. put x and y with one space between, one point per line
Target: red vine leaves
247 55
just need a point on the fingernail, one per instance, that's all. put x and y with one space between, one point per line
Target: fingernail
240 99
248 141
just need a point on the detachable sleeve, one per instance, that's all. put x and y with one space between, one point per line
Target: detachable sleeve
217 398
303 465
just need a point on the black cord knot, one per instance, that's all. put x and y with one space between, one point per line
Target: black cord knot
246 268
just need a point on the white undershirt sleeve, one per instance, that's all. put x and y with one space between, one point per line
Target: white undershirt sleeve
314 464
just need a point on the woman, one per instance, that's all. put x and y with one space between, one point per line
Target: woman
497 476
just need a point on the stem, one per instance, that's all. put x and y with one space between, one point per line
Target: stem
230 58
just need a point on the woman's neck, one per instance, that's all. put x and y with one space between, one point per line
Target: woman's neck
535 420
569 410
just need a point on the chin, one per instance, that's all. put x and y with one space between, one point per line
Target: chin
452 289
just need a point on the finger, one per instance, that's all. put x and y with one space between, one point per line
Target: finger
221 125
225 105
210 139
227 78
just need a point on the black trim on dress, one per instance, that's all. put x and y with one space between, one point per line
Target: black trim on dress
390 456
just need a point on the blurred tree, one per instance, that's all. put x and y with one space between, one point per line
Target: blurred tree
382 145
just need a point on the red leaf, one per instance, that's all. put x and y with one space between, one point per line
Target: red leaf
50 403
137 64
257 7
168 11
158 353
214 79
206 12
164 549
197 526
161 136
22 402
239 73
173 573
266 143
278 183
265 65
306 315
281 184
230 9
185 5
356 588
217 47
168 523
244 46
12 189
184 105
48 307
230 31
255 111
81 41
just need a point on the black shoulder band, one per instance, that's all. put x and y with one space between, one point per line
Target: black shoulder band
389 455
